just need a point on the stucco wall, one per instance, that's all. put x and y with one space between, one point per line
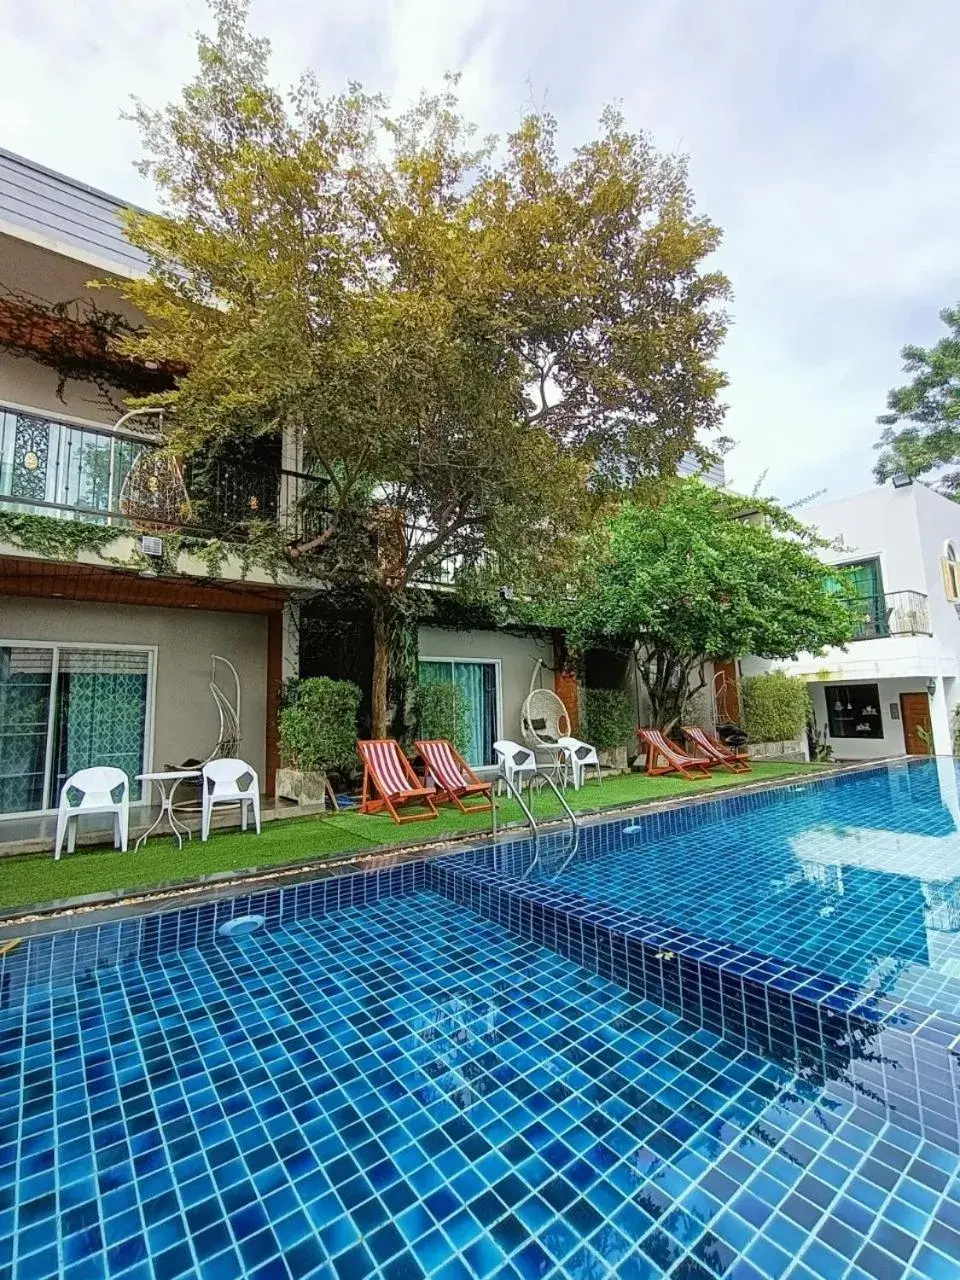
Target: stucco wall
24 384
53 278
185 720
517 654
891 744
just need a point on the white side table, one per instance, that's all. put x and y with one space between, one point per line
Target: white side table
174 778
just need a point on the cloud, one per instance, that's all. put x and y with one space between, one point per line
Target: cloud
822 138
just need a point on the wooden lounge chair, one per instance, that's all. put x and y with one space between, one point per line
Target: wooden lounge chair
714 750
388 773
677 761
455 780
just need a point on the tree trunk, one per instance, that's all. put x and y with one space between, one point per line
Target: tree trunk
666 679
381 669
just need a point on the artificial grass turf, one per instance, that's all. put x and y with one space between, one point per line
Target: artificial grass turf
36 878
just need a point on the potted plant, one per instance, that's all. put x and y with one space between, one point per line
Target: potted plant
442 713
607 722
318 736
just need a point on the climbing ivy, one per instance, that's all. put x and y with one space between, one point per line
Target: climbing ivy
65 539
54 539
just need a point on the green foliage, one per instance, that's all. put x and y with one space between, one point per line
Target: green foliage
926 737
65 539
607 718
699 574
442 713
460 335
318 726
776 707
929 408
54 539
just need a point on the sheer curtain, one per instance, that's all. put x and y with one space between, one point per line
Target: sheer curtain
101 712
24 706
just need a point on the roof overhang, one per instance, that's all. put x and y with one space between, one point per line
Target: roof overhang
53 580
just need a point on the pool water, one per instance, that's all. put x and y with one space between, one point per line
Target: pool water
859 879
405 1090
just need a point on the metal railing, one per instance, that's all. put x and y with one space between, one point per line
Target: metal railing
539 777
895 613
100 476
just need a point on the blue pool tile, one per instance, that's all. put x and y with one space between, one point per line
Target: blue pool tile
404 1088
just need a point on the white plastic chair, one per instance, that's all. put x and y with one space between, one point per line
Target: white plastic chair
515 762
580 756
102 789
230 782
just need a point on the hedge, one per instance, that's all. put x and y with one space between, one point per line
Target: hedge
776 707
318 727
607 718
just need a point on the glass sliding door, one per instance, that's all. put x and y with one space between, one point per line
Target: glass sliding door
24 720
477 682
101 712
64 708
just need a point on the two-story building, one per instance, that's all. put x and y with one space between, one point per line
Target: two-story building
115 621
108 626
893 690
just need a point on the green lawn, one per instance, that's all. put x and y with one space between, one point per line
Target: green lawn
37 878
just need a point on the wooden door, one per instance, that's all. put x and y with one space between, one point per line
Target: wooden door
915 714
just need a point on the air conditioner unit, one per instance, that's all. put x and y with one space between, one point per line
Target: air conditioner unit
151 546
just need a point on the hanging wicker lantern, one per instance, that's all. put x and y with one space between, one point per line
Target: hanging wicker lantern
154 495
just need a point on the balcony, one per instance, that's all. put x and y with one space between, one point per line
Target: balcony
896 613
107 477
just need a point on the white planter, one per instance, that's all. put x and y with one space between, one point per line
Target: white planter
792 752
614 759
304 788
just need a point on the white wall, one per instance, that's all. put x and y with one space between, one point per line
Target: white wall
939 522
907 530
186 723
891 744
517 655
880 523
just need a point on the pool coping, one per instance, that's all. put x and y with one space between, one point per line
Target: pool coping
67 913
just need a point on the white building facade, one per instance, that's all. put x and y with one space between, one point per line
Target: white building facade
894 689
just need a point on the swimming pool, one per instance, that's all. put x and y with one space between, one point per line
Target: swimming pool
387 1082
858 878
402 1090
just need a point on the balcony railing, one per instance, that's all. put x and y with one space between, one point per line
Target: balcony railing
106 477
896 613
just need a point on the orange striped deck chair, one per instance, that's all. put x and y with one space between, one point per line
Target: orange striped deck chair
714 751
454 779
390 783
659 747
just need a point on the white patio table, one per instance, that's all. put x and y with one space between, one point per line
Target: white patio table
174 777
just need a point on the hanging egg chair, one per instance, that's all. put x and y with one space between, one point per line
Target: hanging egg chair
543 717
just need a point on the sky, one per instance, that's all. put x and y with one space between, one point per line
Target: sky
822 136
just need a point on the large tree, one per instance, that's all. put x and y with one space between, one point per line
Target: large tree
929 406
461 339
697 575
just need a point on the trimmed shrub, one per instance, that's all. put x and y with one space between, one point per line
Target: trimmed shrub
607 718
442 713
318 726
776 707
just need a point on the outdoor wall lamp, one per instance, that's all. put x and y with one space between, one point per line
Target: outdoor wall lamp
931 687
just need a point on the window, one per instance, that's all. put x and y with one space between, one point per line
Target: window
478 683
64 708
951 572
853 710
864 578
